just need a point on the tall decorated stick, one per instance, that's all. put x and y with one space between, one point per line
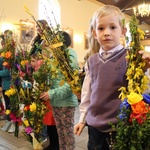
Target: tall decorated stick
54 40
133 128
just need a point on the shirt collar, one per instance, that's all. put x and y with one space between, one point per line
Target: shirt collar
116 49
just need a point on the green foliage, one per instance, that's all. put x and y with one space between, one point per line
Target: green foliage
133 136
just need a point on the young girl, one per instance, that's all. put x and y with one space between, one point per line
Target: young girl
48 120
63 103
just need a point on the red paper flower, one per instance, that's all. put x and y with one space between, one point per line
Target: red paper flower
140 118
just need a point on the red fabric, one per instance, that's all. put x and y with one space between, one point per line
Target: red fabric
48 118
1 106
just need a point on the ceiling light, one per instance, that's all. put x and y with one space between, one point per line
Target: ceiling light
143 10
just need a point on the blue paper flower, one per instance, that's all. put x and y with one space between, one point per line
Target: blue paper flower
146 98
123 107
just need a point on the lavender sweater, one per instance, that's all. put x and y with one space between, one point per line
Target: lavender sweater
106 78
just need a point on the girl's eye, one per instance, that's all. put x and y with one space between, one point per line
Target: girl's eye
100 28
113 27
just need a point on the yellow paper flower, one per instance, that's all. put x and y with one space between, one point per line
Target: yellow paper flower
33 107
2 54
10 92
134 98
7 112
26 123
23 62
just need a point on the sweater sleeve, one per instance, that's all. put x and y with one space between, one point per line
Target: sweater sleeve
74 60
85 96
62 91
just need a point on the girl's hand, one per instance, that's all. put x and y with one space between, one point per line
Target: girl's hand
44 96
78 128
145 56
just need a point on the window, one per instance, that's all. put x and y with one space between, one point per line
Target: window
50 11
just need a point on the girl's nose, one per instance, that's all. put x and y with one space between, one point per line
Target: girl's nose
106 32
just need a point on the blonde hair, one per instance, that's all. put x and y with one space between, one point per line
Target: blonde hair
106 10
92 43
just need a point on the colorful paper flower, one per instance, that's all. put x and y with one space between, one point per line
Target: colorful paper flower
33 107
26 122
140 108
134 98
7 112
28 130
8 55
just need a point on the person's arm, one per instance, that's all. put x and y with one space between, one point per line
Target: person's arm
64 90
85 101
61 91
58 92
74 59
85 95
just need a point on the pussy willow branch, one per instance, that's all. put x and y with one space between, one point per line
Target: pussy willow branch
58 53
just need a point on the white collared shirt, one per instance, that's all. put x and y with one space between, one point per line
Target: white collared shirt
116 49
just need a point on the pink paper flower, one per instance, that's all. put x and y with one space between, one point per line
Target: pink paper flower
28 130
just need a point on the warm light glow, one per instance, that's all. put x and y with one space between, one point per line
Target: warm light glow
6 26
142 10
147 48
77 38
50 11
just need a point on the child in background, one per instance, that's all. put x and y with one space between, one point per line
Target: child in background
93 47
6 82
50 128
38 42
105 74
63 102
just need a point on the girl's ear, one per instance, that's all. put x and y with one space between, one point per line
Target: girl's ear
124 31
94 34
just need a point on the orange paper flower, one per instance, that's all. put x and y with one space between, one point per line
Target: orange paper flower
26 108
8 54
5 64
140 108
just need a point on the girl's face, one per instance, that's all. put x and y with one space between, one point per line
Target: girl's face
33 63
108 31
38 28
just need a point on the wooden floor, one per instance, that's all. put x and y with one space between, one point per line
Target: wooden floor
14 143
